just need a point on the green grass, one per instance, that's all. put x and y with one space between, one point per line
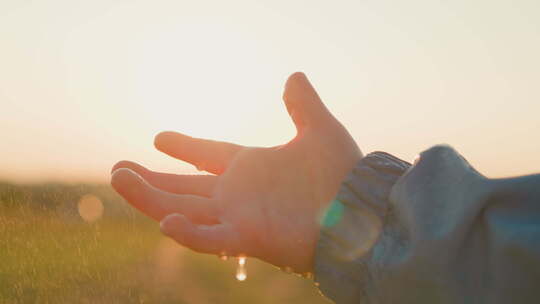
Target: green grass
48 255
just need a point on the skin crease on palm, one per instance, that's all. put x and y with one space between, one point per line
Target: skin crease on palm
259 202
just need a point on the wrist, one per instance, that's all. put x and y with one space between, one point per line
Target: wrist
353 223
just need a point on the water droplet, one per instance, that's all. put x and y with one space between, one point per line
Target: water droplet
241 272
223 257
308 275
241 275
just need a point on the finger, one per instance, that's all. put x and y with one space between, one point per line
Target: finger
180 184
158 204
215 239
208 155
303 103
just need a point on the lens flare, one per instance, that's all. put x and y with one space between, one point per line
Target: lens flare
90 208
338 220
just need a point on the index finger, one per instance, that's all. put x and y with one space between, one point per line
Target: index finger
208 155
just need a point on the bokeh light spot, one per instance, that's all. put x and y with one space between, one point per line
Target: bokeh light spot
90 208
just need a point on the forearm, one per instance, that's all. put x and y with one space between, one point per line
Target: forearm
448 235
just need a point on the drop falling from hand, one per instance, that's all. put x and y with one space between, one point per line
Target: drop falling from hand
223 256
241 273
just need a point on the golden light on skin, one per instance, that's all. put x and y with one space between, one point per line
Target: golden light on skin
90 208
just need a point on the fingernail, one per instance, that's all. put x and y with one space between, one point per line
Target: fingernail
120 176
170 223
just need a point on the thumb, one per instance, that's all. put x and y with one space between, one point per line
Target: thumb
303 103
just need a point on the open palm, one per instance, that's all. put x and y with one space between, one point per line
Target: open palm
261 202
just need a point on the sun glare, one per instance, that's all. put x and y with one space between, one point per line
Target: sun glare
188 82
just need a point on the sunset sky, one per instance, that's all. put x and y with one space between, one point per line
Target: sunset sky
84 84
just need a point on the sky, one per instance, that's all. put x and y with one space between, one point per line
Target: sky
84 84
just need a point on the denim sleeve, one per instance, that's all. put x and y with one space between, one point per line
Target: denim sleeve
435 232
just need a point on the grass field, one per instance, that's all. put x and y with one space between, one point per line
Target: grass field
48 254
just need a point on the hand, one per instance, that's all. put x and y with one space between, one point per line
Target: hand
261 202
